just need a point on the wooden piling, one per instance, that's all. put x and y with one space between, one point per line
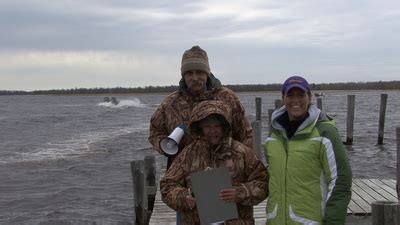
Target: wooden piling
137 169
350 119
150 177
388 212
398 163
256 125
319 103
270 111
385 212
278 103
258 109
382 114
144 188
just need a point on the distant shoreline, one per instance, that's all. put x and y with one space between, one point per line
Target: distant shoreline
354 86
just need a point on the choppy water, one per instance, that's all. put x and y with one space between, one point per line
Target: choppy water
65 159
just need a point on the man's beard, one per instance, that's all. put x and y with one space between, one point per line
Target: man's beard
198 86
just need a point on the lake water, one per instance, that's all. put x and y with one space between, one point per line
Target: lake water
66 159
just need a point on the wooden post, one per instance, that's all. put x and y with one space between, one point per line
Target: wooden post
144 188
398 163
385 212
278 103
270 111
258 109
350 119
382 114
137 170
319 103
256 125
150 176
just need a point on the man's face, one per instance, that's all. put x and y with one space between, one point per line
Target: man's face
195 80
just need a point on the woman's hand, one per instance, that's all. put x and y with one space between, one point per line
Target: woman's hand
190 202
228 195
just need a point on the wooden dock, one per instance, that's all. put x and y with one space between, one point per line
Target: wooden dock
364 192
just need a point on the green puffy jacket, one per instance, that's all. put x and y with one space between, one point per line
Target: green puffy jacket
310 175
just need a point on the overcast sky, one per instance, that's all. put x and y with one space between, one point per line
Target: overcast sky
54 44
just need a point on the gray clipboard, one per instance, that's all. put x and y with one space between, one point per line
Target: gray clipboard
206 186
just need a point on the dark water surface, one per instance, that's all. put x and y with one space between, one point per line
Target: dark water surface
65 159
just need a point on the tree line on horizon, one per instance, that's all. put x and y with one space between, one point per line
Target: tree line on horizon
379 85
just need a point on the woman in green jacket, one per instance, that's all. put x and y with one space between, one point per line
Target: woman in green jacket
310 175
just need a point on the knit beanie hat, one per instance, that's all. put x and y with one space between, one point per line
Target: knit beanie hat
195 59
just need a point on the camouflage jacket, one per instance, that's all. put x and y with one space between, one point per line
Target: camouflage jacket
249 175
177 107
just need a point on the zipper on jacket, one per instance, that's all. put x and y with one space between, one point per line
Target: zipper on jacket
286 146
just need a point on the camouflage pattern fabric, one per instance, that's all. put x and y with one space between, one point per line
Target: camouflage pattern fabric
177 107
249 175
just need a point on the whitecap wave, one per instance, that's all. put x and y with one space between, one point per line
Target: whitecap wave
125 103
73 147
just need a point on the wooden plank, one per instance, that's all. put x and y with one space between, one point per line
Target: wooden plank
354 208
162 214
348 211
379 182
382 189
363 205
389 182
364 192
371 191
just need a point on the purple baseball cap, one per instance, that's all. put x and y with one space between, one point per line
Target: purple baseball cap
295 81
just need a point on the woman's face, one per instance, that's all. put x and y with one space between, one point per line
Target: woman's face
212 129
297 101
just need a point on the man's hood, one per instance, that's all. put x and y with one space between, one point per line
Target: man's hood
212 83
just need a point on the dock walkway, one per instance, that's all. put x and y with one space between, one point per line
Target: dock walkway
364 192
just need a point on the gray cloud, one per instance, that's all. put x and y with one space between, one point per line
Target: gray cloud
330 41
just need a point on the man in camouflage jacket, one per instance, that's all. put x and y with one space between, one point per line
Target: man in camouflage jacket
249 175
197 84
